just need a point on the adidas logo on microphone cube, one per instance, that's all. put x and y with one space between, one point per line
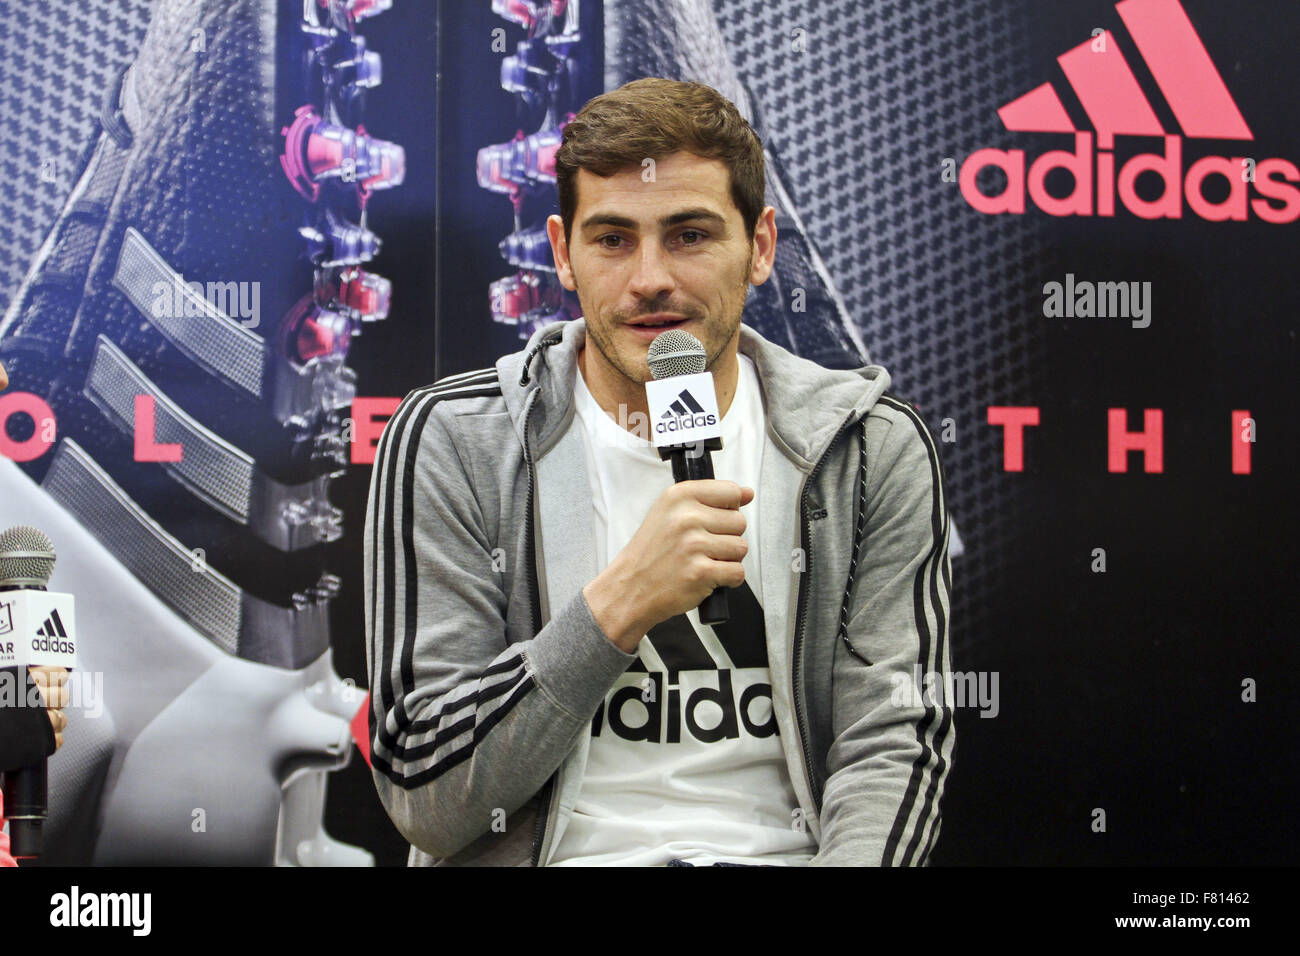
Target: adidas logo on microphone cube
683 409
37 628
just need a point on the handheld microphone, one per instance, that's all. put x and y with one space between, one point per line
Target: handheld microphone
687 427
26 562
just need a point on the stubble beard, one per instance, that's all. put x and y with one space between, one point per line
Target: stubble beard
639 376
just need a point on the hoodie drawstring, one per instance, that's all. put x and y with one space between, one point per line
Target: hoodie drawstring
857 543
552 339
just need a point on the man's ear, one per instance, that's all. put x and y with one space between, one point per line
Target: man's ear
560 252
764 247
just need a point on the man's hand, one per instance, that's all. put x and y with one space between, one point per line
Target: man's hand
688 544
53 682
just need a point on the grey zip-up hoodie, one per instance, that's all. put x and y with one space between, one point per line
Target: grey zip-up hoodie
487 667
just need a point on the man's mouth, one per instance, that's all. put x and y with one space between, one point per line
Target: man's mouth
659 321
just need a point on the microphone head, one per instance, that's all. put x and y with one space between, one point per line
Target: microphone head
26 557
676 352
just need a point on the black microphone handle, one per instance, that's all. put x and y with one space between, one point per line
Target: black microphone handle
26 792
26 799
693 463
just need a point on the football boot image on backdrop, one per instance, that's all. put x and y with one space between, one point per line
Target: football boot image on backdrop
177 349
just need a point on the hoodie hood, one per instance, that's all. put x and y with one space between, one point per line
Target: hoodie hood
813 401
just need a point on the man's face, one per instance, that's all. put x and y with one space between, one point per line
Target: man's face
660 244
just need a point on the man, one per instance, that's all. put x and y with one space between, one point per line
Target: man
543 692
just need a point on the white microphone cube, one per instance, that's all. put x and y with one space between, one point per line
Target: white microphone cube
683 409
37 629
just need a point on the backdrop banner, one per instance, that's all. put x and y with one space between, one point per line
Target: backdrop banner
236 233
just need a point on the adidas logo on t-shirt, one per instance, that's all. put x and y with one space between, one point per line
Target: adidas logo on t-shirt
711 702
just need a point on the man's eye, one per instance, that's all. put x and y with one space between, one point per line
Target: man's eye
604 241
699 237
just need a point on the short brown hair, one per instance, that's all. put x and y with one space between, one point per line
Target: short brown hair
652 118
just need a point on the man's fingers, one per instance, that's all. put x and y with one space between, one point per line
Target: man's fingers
729 574
54 695
727 547
58 719
717 493
722 521
59 722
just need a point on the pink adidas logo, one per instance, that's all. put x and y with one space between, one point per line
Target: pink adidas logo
1113 100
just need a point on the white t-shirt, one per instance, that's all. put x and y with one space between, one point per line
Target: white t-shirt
685 757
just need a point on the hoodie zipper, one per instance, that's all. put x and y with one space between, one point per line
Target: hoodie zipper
533 587
544 809
535 595
800 614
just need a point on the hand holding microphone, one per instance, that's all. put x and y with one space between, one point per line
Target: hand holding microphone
688 546
41 640
686 423
26 562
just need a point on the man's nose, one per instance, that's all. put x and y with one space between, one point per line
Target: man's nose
651 276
